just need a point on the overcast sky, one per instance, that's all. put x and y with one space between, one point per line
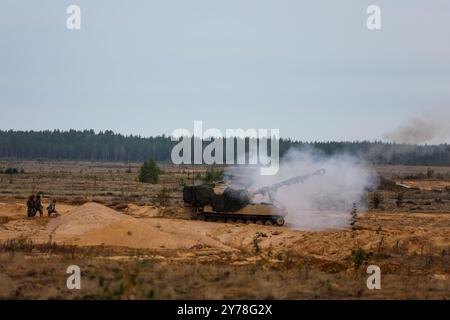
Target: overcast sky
310 68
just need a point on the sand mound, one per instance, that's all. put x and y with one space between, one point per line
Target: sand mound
85 218
94 224
152 233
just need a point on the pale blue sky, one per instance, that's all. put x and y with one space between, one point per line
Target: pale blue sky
309 68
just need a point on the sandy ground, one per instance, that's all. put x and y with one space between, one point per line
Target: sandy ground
426 184
136 253
139 249
93 224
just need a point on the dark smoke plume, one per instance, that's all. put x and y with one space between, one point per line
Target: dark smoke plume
431 127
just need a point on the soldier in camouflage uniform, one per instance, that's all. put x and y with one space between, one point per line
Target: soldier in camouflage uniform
52 208
38 206
31 212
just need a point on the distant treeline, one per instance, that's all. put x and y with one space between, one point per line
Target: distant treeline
88 145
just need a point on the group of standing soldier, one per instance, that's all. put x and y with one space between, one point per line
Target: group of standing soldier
34 206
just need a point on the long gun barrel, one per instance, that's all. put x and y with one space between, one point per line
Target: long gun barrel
294 180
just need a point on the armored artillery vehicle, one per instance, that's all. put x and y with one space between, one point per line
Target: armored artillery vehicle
226 204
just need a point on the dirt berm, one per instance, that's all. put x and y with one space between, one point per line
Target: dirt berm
95 224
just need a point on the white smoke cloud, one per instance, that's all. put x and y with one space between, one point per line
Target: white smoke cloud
320 202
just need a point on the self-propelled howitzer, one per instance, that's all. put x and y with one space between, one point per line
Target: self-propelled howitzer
221 203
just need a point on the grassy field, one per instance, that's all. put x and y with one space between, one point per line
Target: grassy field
85 181
116 183
158 256
38 272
